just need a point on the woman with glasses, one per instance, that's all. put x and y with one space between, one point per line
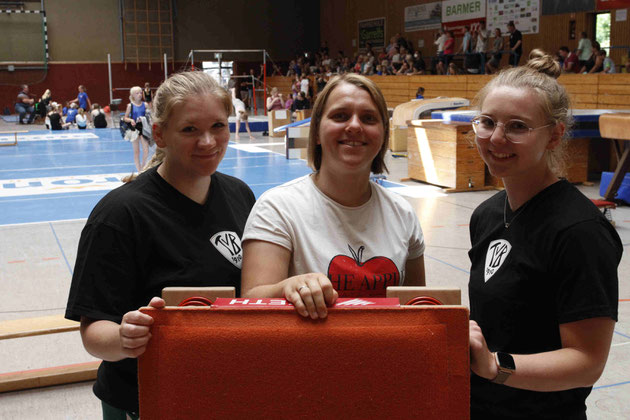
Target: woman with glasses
543 285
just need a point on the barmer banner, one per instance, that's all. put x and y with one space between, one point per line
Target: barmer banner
456 10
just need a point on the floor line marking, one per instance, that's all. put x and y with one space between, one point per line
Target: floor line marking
45 222
16 261
450 265
623 335
611 385
60 248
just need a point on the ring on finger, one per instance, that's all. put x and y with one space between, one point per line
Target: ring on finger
301 287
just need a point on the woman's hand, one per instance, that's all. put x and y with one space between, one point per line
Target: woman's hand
481 359
310 294
135 330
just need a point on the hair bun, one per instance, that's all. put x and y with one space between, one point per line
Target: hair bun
542 62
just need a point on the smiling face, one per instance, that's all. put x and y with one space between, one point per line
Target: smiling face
506 159
351 131
195 137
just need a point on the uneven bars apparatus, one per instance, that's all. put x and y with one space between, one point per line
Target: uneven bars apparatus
109 74
191 57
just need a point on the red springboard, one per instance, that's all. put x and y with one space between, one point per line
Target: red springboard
407 362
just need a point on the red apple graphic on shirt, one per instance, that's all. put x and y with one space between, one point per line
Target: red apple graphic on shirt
352 277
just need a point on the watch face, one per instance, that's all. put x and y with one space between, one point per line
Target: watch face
506 360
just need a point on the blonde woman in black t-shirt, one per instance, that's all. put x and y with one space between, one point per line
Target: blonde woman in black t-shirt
156 232
543 284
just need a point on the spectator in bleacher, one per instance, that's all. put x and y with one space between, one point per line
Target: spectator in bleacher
276 71
301 102
275 101
596 63
571 63
305 85
496 53
608 65
466 46
404 69
358 65
516 44
25 105
386 68
289 102
481 46
453 70
584 50
449 49
392 43
440 40
396 59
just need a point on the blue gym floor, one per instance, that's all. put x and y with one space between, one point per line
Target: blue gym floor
52 176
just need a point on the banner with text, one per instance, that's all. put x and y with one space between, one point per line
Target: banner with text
458 10
423 16
525 14
372 31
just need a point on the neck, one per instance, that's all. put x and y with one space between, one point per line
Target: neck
194 187
521 189
353 191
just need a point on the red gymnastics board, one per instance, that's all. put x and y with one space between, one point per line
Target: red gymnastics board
408 362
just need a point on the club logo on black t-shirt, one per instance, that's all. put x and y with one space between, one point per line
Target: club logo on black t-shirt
498 251
229 245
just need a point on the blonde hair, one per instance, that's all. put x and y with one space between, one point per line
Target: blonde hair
179 87
539 74
314 151
132 91
81 111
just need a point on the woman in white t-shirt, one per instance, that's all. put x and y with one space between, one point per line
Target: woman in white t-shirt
334 233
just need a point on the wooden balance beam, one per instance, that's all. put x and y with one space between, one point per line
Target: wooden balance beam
56 375
15 133
617 127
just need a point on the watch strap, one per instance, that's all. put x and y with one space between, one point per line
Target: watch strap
502 372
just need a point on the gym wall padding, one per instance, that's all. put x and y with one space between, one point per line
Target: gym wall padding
407 362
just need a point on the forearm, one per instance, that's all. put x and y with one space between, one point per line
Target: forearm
275 290
556 370
102 339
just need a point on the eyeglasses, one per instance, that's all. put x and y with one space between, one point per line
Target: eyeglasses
515 131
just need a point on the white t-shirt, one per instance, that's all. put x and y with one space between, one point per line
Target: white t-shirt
304 86
81 120
361 249
440 43
239 106
482 41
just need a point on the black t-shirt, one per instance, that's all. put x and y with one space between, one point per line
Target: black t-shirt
100 121
55 121
145 236
514 38
555 264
